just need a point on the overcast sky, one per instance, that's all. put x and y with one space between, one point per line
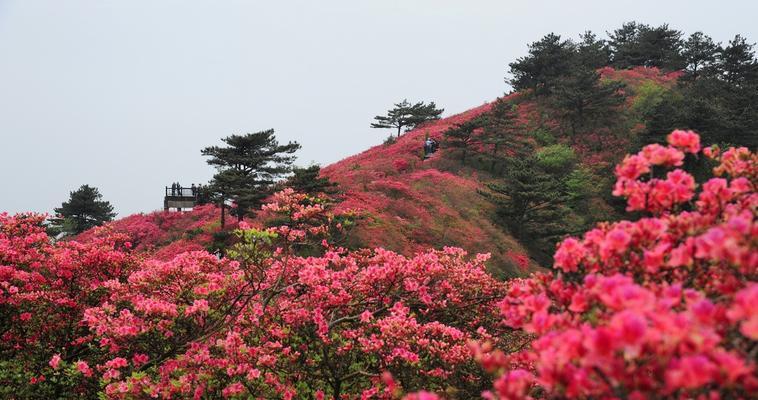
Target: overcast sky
123 94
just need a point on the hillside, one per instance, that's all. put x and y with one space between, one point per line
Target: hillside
407 204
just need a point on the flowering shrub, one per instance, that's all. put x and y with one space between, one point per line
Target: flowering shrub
264 322
401 165
663 306
149 233
44 290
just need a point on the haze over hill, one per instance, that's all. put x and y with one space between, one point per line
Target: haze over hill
157 81
591 234
407 204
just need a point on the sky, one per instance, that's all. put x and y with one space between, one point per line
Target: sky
122 95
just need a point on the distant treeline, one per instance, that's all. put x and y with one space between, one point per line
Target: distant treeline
717 94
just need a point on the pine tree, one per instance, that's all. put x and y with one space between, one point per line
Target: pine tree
309 181
623 44
464 135
592 52
581 98
248 167
661 47
636 44
501 132
738 62
530 203
407 116
547 61
85 209
222 188
700 55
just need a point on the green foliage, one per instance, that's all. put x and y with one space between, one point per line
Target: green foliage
253 246
584 101
391 139
531 204
193 232
581 184
407 115
637 44
649 95
720 111
592 52
309 181
700 54
247 168
85 209
547 61
542 136
556 159
463 135
717 96
219 243
65 383
738 64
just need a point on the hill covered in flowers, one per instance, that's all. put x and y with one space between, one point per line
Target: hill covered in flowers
406 203
659 305
409 203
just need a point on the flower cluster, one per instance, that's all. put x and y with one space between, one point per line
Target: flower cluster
658 195
665 305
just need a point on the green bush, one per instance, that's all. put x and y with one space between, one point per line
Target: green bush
542 136
581 184
557 158
649 96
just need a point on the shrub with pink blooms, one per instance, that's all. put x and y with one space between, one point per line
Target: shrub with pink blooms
269 323
665 306
264 322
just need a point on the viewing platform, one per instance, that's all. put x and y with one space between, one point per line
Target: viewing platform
180 198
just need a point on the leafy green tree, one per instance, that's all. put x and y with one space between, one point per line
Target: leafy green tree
309 181
582 98
556 159
548 60
530 203
85 209
700 55
407 116
248 166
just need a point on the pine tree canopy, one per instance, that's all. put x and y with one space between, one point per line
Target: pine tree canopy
248 166
309 181
85 209
407 116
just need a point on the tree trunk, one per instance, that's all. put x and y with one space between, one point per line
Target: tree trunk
223 214
398 130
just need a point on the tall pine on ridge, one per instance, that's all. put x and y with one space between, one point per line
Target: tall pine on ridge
248 166
407 115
